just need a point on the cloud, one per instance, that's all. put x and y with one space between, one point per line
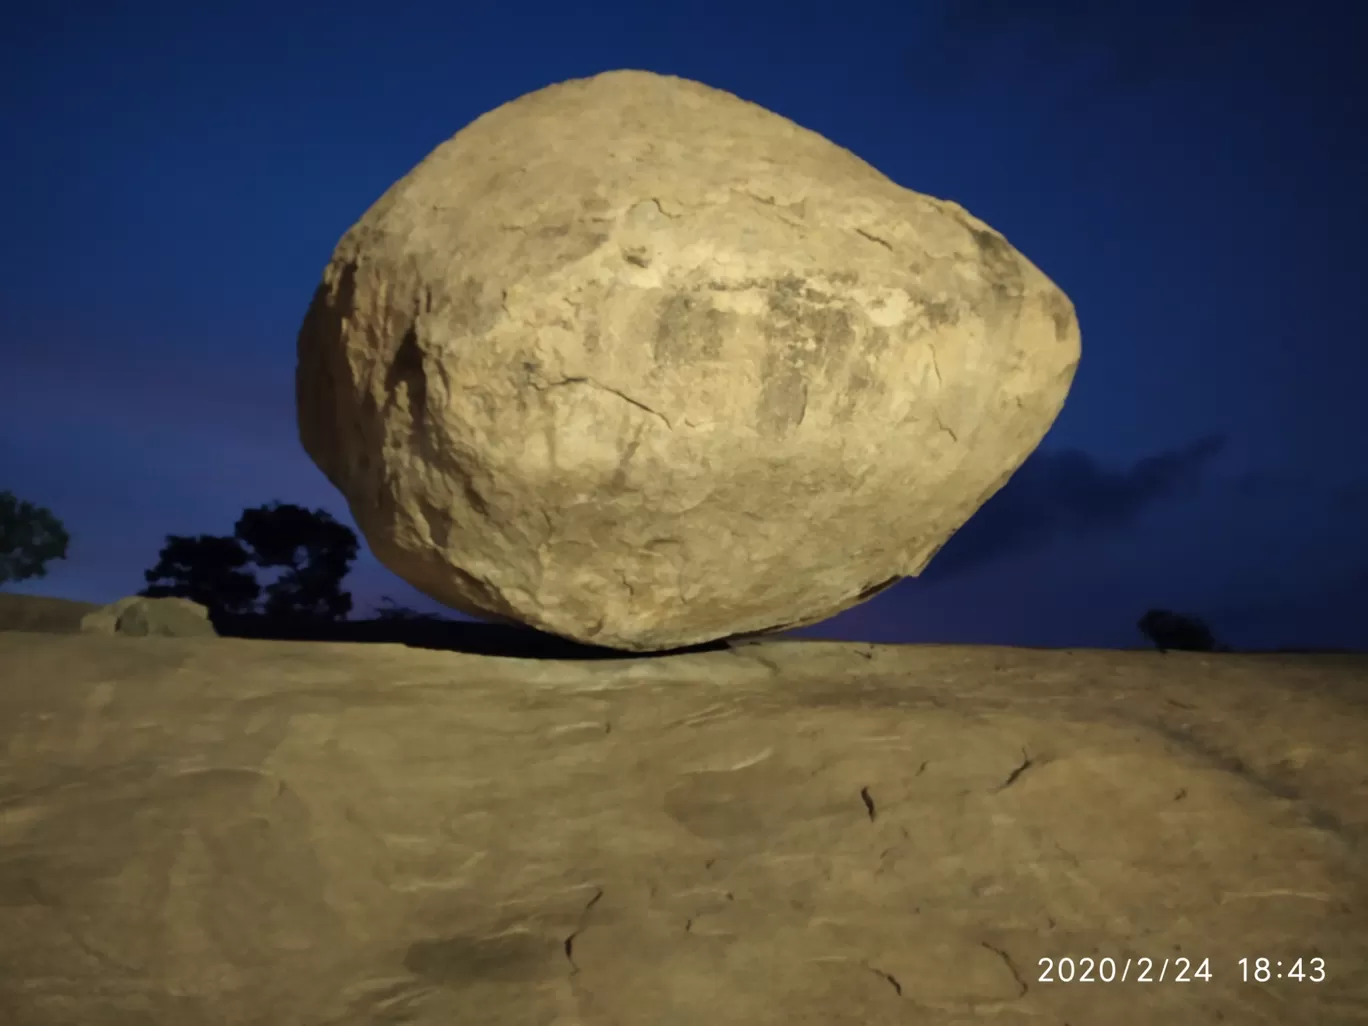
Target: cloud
1068 494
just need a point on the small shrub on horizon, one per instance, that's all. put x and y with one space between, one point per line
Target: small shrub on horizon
1170 631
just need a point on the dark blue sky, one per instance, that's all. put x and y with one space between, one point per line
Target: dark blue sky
1192 174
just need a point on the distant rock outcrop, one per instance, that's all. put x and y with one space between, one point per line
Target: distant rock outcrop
42 613
140 617
642 364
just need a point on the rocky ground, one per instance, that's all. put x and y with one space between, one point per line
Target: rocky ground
215 830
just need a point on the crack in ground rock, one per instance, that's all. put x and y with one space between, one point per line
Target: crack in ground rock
868 800
768 664
889 978
1026 763
569 944
1011 968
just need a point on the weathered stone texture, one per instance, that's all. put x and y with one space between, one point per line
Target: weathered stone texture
640 363
213 832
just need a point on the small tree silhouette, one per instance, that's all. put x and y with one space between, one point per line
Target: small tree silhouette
312 549
30 538
1167 630
208 569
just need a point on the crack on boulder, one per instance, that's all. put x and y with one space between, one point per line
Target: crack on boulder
767 200
661 207
1026 763
1011 968
868 800
874 238
941 425
620 394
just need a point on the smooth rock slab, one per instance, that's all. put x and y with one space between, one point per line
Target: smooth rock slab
198 831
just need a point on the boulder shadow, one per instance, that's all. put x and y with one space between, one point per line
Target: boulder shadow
509 641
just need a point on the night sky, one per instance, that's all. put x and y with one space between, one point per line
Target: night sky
1194 175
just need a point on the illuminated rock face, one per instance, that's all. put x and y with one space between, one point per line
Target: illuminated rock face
640 363
219 832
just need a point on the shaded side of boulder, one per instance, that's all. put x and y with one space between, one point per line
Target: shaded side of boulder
141 617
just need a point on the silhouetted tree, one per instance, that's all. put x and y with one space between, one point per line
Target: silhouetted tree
1167 630
30 538
313 551
208 569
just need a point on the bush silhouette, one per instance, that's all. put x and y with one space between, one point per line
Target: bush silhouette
313 551
1167 630
30 538
391 611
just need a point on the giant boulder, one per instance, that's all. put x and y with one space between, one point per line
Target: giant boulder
639 363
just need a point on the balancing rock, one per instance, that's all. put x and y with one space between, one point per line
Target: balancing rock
642 364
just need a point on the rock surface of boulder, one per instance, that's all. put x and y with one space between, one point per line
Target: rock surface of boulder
637 362
139 616
213 831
